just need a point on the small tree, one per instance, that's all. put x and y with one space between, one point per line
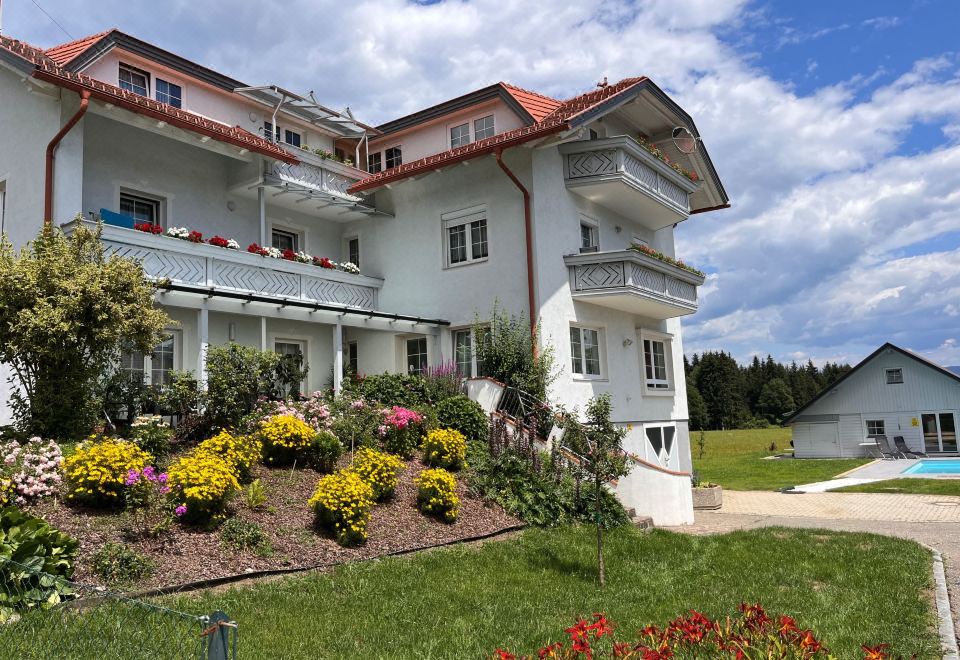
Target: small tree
66 311
505 353
597 446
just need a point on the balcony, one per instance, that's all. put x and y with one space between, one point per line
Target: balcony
632 282
618 174
209 267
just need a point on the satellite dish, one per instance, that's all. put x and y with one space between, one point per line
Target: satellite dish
684 140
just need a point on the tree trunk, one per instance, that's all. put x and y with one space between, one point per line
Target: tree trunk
603 577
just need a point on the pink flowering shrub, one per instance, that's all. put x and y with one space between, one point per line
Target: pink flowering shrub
33 468
401 430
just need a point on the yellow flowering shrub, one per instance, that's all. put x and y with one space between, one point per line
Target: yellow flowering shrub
342 503
201 482
6 491
445 448
437 494
242 452
96 471
285 438
379 469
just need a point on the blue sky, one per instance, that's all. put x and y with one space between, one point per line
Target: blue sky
834 125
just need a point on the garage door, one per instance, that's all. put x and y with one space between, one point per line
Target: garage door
816 440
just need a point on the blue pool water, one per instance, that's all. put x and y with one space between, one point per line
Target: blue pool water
935 466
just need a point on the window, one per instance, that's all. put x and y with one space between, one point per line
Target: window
875 427
483 128
660 439
585 351
655 364
294 351
291 137
394 158
589 237
169 93
132 364
162 361
894 376
459 136
353 358
374 163
154 367
593 134
465 233
141 209
463 352
417 355
271 132
284 240
353 251
134 80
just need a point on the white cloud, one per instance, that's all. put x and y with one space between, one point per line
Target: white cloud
881 22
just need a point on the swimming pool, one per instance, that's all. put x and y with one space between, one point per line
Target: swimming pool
935 466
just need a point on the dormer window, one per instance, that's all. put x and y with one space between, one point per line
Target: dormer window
134 80
169 93
483 128
459 136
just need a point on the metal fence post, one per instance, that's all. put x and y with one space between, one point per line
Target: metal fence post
221 637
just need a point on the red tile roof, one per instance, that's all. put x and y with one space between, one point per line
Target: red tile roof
65 53
538 105
555 121
48 69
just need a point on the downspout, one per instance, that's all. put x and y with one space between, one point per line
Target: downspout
52 148
528 231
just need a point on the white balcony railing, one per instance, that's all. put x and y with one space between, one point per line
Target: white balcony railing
621 175
321 174
203 265
634 282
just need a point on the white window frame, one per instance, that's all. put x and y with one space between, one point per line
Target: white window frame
896 373
493 127
304 344
300 233
177 335
386 158
459 139
465 218
380 159
405 356
346 248
582 359
664 458
276 134
586 222
169 81
135 71
474 365
881 422
158 202
670 382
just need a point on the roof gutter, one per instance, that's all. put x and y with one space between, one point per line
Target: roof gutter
528 232
51 151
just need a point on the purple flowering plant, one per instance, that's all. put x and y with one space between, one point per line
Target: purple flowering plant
150 509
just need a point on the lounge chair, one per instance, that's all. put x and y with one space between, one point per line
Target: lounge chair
905 450
886 450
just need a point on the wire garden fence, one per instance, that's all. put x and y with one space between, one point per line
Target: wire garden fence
43 616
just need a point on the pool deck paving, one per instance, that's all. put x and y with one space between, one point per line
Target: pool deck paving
929 519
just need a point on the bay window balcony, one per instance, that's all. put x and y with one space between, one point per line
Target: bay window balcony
629 281
621 175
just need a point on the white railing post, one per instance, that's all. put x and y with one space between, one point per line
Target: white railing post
203 342
337 357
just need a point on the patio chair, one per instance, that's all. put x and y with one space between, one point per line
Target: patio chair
886 450
905 450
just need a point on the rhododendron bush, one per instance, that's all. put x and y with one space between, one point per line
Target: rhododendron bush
750 635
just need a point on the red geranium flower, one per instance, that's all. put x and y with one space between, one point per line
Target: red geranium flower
323 262
218 241
289 255
254 248
195 237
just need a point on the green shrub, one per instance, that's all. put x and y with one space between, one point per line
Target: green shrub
355 421
241 535
237 376
151 435
323 452
463 414
505 350
32 542
392 389
117 563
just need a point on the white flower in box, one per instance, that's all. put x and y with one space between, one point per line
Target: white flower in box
178 232
274 253
349 267
304 258
232 245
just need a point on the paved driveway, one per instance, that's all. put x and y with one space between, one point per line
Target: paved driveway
929 519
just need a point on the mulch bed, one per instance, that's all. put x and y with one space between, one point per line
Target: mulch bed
187 554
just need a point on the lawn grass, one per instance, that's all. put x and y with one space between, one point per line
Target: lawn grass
735 460
910 486
464 602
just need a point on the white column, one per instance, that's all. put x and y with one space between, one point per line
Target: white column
263 333
262 202
337 357
203 343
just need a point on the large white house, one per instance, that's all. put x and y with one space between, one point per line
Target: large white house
892 392
501 194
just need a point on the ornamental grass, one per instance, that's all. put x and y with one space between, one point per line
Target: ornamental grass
342 503
445 448
378 469
241 452
97 470
437 494
284 438
202 483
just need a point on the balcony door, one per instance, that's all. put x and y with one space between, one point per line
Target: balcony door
939 431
